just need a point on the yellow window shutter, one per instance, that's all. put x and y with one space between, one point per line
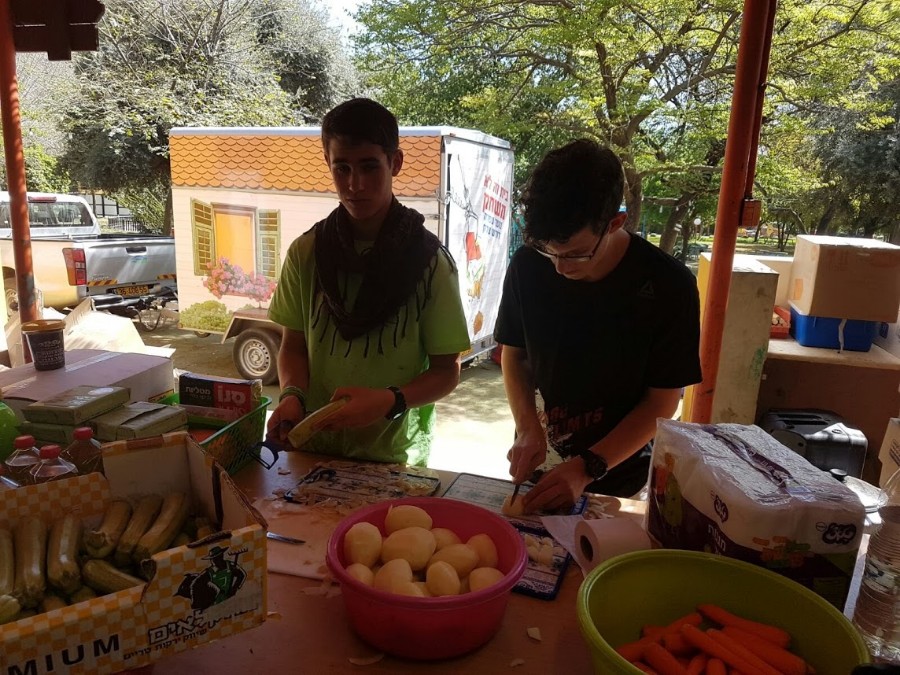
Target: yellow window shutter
268 243
204 237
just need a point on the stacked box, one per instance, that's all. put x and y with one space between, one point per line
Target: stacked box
225 393
734 490
138 420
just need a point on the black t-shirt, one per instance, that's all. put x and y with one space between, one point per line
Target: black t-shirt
596 346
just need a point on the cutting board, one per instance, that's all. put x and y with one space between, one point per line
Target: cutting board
313 525
354 484
540 580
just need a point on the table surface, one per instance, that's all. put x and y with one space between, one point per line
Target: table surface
308 632
790 350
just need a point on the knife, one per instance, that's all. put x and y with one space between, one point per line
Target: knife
286 540
515 493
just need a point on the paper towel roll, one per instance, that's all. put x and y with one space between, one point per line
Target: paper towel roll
600 539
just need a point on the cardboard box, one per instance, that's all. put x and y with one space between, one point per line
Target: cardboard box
143 624
219 392
147 377
61 434
139 420
890 451
75 406
887 336
846 278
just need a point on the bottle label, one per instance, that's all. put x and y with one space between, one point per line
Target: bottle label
880 576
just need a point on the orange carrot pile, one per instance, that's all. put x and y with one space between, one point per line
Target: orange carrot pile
725 644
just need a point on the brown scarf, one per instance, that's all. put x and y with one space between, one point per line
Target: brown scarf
391 271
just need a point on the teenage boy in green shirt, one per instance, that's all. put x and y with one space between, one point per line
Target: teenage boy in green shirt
369 305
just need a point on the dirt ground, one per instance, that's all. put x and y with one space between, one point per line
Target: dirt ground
474 425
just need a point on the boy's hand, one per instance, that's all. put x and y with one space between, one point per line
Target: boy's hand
527 453
288 414
364 406
558 488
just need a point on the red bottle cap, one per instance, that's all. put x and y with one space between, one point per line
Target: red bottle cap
83 433
23 442
50 452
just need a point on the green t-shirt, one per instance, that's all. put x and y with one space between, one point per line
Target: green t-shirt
440 328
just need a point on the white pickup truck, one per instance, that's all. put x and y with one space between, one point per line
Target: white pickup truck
72 260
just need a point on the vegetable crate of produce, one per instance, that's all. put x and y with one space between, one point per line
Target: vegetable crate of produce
236 444
102 574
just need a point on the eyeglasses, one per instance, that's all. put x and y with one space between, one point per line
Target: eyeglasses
572 258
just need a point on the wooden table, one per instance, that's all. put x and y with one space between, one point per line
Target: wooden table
310 634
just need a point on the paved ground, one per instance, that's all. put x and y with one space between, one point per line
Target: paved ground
474 425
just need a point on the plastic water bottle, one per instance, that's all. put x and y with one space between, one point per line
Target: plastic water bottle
85 452
877 611
52 466
24 457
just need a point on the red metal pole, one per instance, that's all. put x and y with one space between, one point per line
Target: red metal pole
15 170
743 136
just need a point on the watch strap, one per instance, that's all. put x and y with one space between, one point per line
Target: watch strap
399 406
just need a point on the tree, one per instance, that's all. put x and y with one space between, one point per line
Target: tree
652 80
167 63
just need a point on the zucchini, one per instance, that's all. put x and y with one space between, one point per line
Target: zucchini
104 578
103 541
9 609
62 554
7 563
168 524
143 517
31 561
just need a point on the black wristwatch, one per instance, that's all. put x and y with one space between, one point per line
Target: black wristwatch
594 465
399 407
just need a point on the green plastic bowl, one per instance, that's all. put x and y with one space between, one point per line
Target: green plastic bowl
657 587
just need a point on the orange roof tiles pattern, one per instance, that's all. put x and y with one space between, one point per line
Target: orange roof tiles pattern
293 163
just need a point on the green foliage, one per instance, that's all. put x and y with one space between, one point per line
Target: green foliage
191 63
653 80
146 202
209 316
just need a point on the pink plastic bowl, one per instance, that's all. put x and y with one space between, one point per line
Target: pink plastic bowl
430 628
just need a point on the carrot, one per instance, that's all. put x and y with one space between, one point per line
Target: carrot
697 666
775 656
737 648
715 667
643 667
634 651
725 618
676 644
650 630
715 649
662 660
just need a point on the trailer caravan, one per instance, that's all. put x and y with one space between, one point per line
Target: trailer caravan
240 196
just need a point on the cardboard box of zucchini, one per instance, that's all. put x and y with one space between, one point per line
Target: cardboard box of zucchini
98 574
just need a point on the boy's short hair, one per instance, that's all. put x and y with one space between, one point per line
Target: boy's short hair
574 186
362 120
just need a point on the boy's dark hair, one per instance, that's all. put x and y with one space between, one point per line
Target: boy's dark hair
362 120
579 184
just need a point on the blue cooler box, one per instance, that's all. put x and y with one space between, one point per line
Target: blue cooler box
820 331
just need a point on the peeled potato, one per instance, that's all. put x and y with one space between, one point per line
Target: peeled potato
444 537
512 508
362 544
484 546
409 588
462 558
361 573
392 574
413 544
424 588
482 577
405 515
442 579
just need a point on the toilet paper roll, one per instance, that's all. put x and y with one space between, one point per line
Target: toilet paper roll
600 539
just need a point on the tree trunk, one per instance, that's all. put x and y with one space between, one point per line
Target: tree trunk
670 235
169 219
827 217
634 195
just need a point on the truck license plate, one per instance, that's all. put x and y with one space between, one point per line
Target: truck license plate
131 291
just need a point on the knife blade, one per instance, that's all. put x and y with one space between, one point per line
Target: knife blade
515 493
286 540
